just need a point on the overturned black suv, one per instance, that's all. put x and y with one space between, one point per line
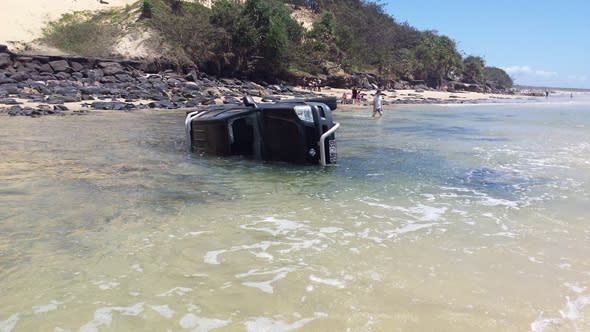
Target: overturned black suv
295 130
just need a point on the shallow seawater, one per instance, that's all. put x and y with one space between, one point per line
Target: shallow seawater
437 218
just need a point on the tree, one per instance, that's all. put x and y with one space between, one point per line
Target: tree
406 64
473 69
438 58
497 76
187 31
320 41
238 40
277 32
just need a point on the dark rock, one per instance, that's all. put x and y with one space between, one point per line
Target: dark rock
108 79
111 68
43 59
93 90
4 79
149 67
43 77
5 60
59 65
210 101
61 99
46 68
24 58
76 66
94 75
9 101
166 104
192 76
173 82
10 88
113 105
63 76
40 87
21 76
232 100
44 107
33 112
192 86
60 107
154 77
15 110
28 111
33 66
78 76
124 78
65 90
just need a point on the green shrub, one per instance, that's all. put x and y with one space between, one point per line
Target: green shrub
83 33
146 9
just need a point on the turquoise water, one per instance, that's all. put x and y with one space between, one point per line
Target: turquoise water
450 218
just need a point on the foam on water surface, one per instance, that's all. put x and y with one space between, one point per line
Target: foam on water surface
265 286
9 324
53 305
265 324
104 316
201 324
569 314
163 310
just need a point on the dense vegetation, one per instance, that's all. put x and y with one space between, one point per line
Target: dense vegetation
259 39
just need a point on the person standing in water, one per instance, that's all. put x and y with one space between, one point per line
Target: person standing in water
378 104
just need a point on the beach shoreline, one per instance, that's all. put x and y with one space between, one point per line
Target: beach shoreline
418 97
28 86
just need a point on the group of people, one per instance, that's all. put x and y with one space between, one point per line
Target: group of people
313 85
357 96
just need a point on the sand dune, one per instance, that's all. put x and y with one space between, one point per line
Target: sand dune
22 20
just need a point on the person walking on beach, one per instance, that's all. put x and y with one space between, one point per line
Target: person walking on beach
354 93
378 104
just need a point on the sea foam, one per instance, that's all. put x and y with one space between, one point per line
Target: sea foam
9 324
265 324
201 324
104 316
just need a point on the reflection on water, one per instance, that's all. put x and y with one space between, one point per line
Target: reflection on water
443 218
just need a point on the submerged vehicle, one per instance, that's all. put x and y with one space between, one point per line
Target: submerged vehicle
299 131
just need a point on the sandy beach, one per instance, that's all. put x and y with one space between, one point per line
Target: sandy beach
414 96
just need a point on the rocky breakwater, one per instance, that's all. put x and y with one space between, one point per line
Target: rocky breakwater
35 85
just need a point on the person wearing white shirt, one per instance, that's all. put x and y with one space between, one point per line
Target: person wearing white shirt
378 104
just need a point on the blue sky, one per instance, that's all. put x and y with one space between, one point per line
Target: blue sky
541 43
